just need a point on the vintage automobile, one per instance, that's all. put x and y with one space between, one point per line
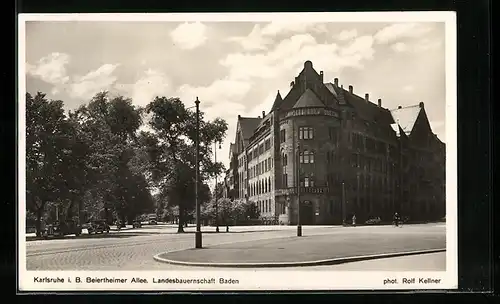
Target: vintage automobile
98 226
137 223
373 221
62 228
152 219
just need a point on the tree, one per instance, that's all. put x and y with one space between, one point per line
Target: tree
46 149
115 156
172 150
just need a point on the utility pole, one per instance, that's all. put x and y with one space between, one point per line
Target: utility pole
198 240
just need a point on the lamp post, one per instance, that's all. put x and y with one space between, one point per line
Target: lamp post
198 241
343 204
216 201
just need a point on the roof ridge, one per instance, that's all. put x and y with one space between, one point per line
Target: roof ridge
406 107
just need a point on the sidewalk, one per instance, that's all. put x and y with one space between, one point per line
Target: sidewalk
306 250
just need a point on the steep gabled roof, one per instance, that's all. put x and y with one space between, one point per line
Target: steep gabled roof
406 117
308 99
248 126
231 150
331 87
277 101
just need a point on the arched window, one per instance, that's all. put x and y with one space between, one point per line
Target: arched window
285 159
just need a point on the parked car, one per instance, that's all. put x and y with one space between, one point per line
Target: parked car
62 228
373 221
152 219
98 226
137 223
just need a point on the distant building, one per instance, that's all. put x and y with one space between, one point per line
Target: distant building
349 156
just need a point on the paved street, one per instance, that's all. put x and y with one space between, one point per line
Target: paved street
134 249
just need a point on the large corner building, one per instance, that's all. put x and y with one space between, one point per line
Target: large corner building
334 154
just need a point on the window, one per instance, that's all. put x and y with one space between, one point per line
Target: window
306 133
285 180
267 144
306 157
307 180
282 136
285 159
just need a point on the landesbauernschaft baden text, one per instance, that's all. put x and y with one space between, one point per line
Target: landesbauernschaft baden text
138 280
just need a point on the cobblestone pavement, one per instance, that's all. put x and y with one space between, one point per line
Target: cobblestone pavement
129 250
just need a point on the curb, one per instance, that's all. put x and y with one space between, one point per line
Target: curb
335 261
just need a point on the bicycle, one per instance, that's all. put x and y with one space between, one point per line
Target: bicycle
398 223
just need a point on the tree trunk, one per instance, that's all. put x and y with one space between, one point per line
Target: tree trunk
38 223
122 219
180 228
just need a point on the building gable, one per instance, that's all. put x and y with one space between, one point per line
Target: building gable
308 78
308 99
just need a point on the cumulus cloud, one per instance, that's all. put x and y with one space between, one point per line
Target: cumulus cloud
150 84
347 34
284 27
262 36
51 68
399 47
88 85
219 92
397 31
189 35
291 53
254 41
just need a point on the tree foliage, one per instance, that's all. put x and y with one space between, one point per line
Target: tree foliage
172 149
95 162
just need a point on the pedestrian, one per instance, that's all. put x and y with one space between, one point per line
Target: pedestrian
354 220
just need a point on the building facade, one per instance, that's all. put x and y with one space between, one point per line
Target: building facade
334 154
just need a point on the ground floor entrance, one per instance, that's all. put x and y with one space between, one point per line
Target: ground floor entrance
306 213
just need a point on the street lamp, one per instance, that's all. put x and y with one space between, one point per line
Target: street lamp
198 241
216 201
343 204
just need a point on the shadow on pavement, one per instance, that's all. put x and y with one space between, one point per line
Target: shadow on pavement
94 236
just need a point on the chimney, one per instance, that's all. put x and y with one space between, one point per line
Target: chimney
239 116
421 105
336 82
380 102
400 107
367 97
350 89
321 75
263 114
291 84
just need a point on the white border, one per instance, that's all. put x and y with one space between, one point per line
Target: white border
254 279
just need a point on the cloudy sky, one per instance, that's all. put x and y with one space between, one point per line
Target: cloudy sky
236 67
